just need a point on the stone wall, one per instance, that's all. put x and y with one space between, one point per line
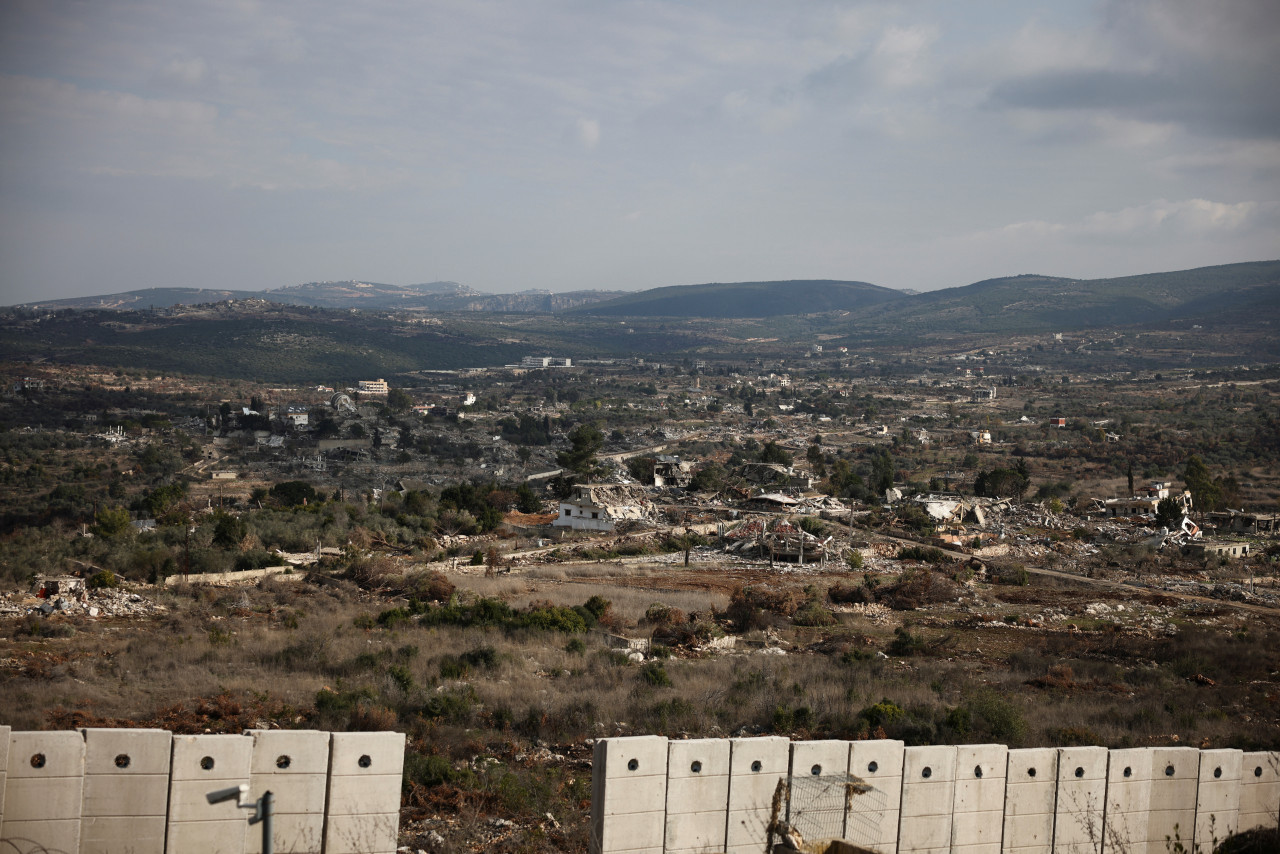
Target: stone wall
651 795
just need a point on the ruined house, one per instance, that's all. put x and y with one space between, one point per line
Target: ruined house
670 471
776 538
774 474
600 507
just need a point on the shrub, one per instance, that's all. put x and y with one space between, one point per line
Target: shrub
915 589
884 712
923 554
813 614
655 674
905 644
853 558
103 578
433 586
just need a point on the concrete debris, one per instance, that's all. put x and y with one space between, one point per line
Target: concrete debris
75 600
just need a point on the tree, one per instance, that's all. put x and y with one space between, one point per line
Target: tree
773 453
1205 494
228 531
398 400
291 493
881 471
1168 513
816 460
641 468
585 441
709 478
112 522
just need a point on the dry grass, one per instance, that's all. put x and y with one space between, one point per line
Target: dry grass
315 655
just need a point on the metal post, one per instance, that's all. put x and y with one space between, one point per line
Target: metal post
268 814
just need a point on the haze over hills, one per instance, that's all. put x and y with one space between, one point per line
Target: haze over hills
255 338
430 296
747 299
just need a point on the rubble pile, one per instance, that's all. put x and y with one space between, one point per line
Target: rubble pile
72 598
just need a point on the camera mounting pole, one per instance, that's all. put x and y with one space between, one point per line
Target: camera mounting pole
264 808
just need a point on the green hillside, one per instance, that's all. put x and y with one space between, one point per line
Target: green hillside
283 348
1045 303
746 299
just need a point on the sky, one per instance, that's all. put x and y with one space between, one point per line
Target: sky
628 144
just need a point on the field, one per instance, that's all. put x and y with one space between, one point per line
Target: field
501 705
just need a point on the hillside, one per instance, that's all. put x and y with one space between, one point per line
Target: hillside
146 298
1229 293
252 340
747 299
431 296
353 294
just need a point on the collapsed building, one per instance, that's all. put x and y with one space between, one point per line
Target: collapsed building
778 539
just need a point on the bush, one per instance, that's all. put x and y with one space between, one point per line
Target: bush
813 614
905 644
923 554
103 578
915 589
655 674
853 558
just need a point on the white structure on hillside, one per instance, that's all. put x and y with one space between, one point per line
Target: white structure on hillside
598 507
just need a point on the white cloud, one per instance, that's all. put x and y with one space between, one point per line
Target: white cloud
1190 218
589 133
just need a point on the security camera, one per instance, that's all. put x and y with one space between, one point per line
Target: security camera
235 793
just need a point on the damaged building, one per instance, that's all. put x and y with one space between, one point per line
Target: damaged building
601 506
776 538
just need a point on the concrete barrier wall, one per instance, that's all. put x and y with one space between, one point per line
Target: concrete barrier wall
657 795
145 791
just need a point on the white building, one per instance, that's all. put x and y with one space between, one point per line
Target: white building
597 507
378 386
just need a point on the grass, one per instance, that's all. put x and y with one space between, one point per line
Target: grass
486 702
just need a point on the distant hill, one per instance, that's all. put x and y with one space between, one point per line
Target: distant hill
147 298
747 299
430 296
353 294
1026 303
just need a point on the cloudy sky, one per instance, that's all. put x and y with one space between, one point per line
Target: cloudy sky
627 144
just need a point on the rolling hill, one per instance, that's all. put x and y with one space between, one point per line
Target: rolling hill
1028 303
746 299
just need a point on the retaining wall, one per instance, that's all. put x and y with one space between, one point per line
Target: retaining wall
143 791
657 796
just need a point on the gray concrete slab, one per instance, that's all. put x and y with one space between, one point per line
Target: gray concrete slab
201 764
697 805
977 818
366 771
1259 790
928 796
872 818
1080 807
628 795
1218 796
1175 775
756 765
1030 798
819 774
1128 801
126 790
294 766
44 792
